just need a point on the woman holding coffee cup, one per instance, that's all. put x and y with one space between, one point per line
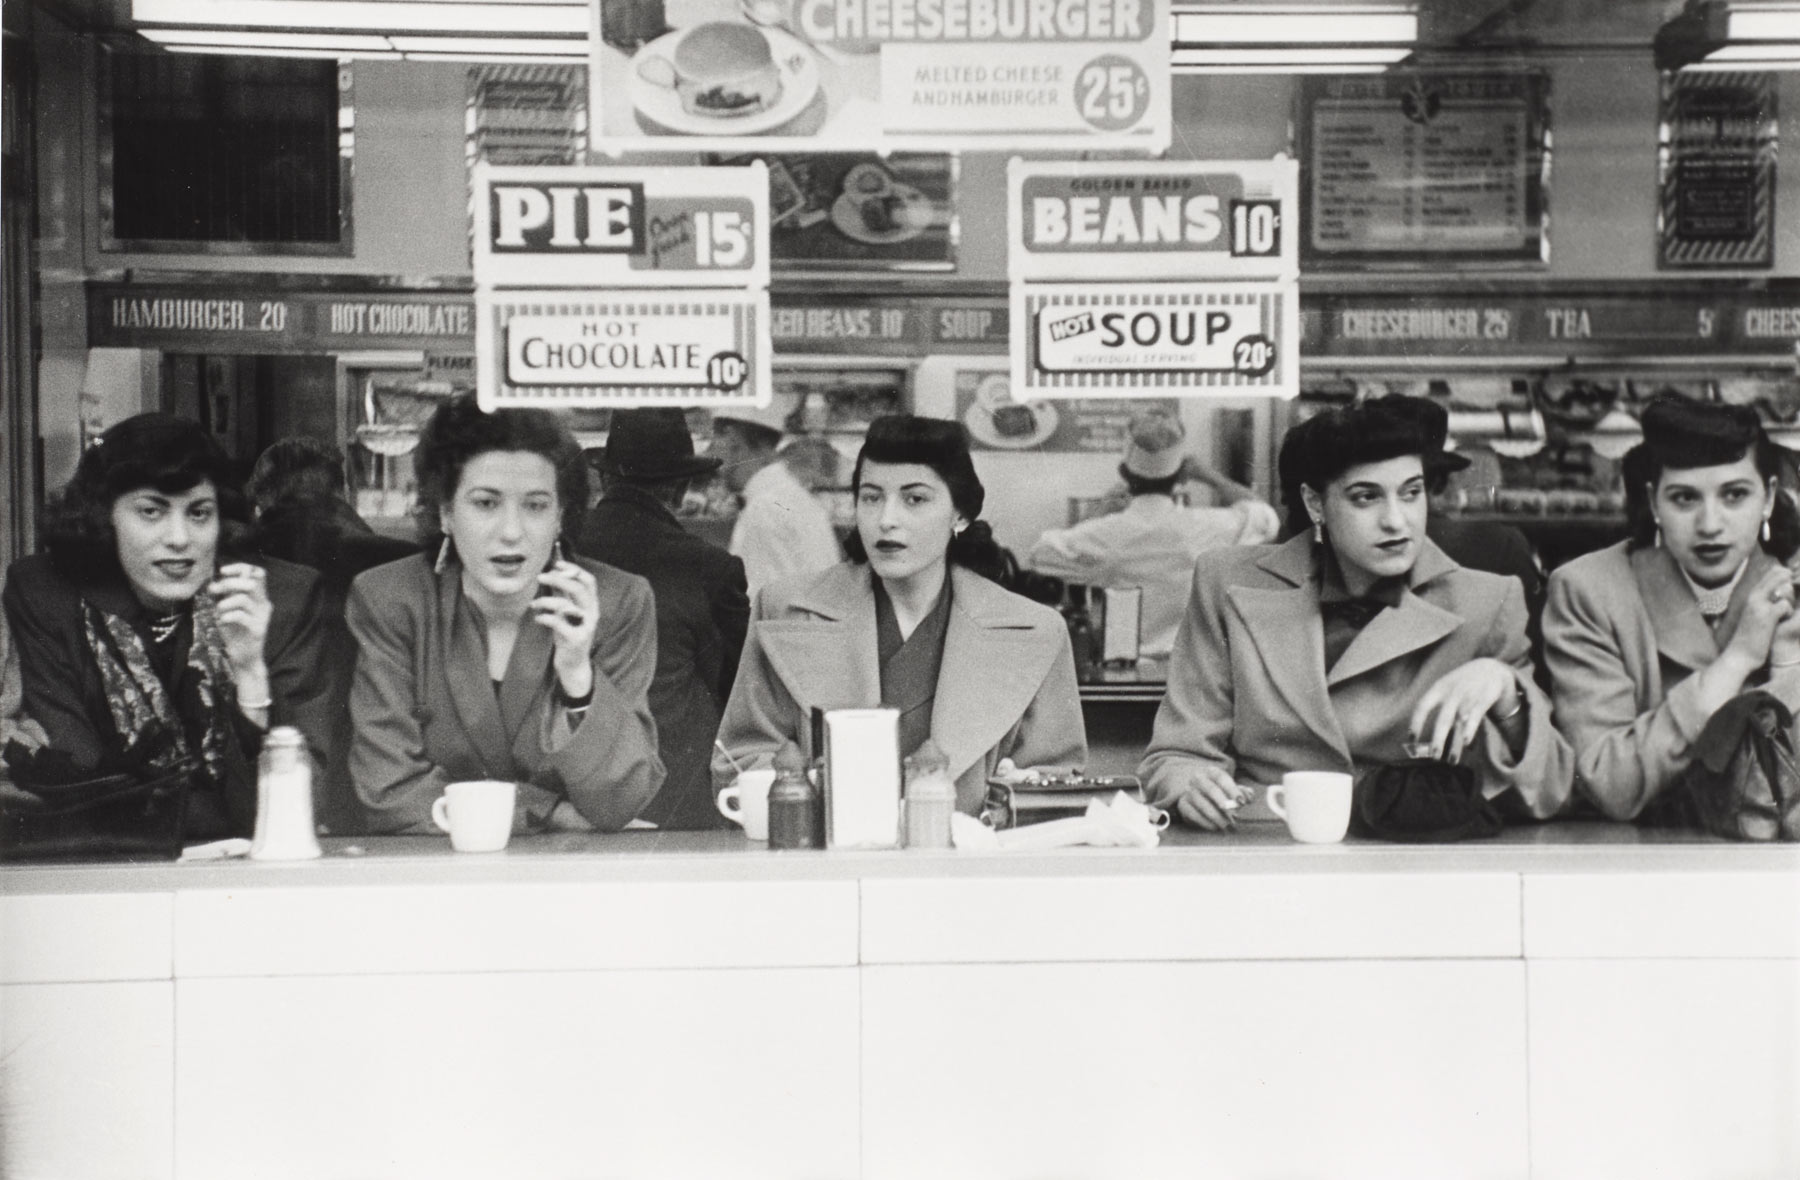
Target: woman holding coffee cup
492 655
911 622
1355 644
1647 639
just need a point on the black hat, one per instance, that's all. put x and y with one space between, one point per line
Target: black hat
1682 433
652 445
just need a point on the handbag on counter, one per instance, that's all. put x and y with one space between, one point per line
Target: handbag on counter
1744 781
1014 803
1422 801
136 815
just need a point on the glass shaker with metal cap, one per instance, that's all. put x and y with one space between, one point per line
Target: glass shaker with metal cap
284 811
793 803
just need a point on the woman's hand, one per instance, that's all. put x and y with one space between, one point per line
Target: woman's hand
1450 712
1768 606
241 597
571 609
1210 798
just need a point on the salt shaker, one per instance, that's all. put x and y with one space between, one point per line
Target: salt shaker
284 813
930 798
793 803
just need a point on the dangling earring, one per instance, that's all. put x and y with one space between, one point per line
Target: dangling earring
1659 536
1765 528
443 558
956 530
1318 531
556 556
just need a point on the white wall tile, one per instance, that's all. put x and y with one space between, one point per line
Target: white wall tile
87 1081
1211 916
690 1075
1673 1069
69 937
1680 915
1347 1070
499 927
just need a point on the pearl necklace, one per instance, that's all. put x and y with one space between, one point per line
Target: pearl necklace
163 627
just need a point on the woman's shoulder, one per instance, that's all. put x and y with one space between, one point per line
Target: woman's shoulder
1600 570
403 580
990 601
36 587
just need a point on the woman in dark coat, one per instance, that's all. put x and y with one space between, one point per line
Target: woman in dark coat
142 643
492 655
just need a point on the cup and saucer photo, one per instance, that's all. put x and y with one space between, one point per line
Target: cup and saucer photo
723 78
876 209
995 420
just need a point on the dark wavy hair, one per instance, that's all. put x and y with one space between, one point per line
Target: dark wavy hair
1323 447
943 446
1681 434
296 471
459 430
158 451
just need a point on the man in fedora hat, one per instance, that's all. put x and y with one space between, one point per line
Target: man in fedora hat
1153 542
702 607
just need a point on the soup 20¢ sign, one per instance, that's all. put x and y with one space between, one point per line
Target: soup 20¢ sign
1152 279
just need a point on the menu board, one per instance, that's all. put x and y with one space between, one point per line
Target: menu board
1424 168
1718 136
1087 426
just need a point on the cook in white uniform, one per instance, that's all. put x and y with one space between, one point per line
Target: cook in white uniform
1153 541
783 529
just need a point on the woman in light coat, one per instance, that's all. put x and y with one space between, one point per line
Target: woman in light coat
492 656
1358 636
909 624
1645 640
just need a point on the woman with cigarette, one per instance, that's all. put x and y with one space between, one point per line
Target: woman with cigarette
1647 639
146 637
492 655
911 623
1353 641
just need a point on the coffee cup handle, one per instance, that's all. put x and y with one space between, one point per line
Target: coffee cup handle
735 811
440 812
1276 798
658 71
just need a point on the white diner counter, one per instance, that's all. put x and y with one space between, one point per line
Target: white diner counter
1569 1002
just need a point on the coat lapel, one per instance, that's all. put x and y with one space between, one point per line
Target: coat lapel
826 657
464 669
1285 627
528 679
995 657
1681 633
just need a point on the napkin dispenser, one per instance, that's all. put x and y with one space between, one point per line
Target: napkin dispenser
862 778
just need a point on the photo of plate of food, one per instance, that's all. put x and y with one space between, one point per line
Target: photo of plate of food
1010 425
723 78
879 210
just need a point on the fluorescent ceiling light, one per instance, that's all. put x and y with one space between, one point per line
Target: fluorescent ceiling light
261 51
1343 55
425 16
484 46
1763 22
190 38
1236 24
1284 68
508 58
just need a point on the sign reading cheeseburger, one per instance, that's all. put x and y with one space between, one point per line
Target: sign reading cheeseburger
622 286
939 75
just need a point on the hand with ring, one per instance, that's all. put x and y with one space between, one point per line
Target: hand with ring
1768 608
570 607
1450 713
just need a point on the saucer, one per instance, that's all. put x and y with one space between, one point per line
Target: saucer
846 214
794 60
980 421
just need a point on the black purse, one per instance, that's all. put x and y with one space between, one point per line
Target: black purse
1422 801
1744 782
131 815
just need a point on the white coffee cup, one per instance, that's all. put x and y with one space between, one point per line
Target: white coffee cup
478 814
1315 804
746 802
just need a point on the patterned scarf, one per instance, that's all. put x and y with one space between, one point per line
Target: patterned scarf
141 703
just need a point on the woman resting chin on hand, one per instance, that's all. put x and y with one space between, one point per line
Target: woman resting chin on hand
1647 639
1354 640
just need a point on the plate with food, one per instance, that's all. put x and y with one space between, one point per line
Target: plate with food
1011 426
722 78
891 213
